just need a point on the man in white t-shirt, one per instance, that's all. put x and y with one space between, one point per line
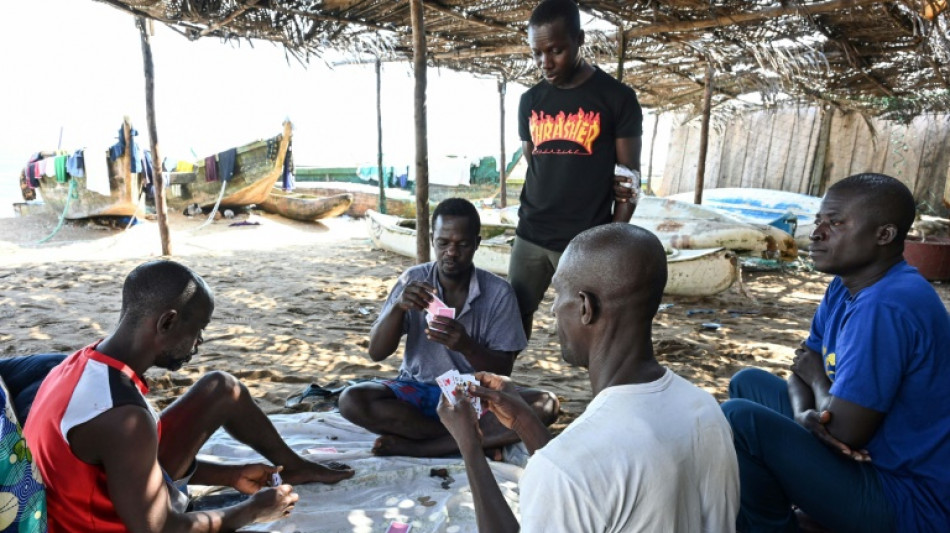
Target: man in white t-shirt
652 452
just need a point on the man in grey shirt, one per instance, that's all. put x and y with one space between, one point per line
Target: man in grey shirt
485 335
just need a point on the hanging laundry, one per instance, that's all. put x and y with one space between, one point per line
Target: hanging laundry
185 166
96 168
38 169
211 169
288 175
49 167
74 164
226 162
59 164
117 149
147 167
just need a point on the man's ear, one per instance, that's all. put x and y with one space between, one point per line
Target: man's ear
478 241
886 234
167 320
589 308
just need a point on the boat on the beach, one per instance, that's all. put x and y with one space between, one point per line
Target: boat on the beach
258 166
305 207
701 272
789 211
75 201
686 226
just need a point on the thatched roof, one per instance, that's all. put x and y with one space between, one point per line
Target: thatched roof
883 58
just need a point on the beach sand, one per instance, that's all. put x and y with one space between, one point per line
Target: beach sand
295 302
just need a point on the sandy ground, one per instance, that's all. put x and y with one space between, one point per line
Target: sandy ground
295 303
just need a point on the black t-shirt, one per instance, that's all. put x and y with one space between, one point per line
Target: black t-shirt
569 184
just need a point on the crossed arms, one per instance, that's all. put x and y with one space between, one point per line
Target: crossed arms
843 425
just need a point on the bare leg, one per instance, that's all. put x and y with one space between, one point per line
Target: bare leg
219 400
374 407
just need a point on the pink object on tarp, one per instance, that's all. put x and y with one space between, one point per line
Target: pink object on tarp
930 257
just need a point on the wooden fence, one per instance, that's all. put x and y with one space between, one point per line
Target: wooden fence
805 150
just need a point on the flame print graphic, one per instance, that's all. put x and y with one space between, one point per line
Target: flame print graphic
581 128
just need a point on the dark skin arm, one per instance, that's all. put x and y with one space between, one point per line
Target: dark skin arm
625 198
491 510
502 398
841 424
451 334
124 441
385 335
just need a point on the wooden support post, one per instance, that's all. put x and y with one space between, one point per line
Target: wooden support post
656 124
125 161
422 148
704 135
157 178
621 51
502 164
379 136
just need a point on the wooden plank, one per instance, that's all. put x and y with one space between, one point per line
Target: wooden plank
862 156
714 158
757 152
667 184
738 144
840 147
903 155
930 174
801 151
784 133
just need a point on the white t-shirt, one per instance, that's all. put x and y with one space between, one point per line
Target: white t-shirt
652 457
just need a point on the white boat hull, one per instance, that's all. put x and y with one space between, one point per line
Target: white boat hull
762 206
684 225
701 272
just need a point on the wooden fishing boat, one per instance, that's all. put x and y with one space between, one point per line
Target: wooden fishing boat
789 211
690 272
686 226
258 167
85 203
305 207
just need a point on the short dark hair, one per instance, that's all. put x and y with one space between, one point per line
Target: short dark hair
550 11
157 286
886 199
458 207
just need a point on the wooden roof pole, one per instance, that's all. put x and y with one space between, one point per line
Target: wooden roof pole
422 147
502 167
157 179
379 136
704 135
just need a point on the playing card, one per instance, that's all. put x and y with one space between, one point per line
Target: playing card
275 480
447 383
442 311
399 527
435 305
464 380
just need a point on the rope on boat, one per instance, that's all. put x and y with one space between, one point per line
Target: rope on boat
62 216
216 204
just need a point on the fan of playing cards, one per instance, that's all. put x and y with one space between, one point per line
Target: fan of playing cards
455 387
438 308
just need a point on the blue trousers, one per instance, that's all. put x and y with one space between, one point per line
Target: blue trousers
781 464
23 375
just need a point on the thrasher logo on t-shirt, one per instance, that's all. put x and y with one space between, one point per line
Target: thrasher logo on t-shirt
580 128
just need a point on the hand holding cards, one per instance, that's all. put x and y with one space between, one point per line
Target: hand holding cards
438 308
455 387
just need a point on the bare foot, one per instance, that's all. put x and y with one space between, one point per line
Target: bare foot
310 472
387 445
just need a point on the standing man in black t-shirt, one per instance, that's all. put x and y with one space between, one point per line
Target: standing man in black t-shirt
576 125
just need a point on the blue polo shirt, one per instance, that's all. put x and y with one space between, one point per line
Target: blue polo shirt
490 316
887 348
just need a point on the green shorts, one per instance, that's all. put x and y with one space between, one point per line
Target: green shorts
529 272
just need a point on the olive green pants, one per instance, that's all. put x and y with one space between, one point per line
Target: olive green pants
530 271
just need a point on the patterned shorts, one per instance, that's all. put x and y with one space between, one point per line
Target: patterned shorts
424 396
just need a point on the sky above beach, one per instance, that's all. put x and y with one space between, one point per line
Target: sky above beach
73 68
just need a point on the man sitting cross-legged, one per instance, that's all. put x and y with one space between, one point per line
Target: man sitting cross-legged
485 335
109 460
652 452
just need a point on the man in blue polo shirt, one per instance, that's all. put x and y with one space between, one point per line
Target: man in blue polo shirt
485 335
858 438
